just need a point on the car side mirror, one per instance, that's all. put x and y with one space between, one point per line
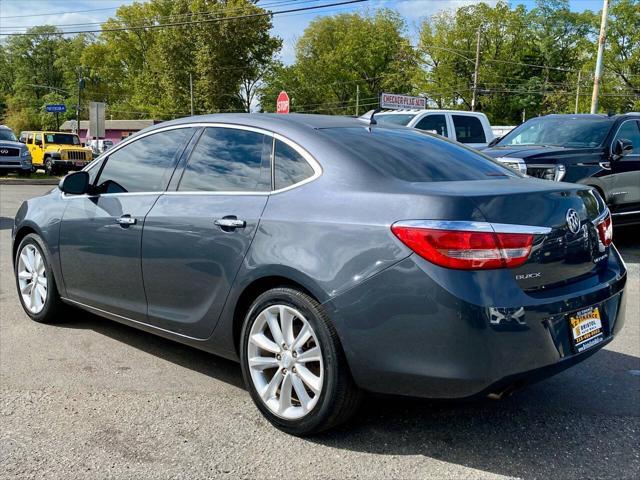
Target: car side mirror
76 183
621 147
494 141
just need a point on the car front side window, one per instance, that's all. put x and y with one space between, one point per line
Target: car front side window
144 165
629 131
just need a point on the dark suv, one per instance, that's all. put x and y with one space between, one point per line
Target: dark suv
596 150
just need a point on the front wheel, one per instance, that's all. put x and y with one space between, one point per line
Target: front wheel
293 364
36 285
49 168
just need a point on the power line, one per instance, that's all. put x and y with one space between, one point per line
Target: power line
62 13
196 22
218 14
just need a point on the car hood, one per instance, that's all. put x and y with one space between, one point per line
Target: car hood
536 152
10 144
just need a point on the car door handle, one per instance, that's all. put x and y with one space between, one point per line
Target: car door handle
126 220
230 223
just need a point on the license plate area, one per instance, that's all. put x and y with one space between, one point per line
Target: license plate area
586 329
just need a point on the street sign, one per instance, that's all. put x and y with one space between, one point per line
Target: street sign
282 104
398 102
96 120
56 108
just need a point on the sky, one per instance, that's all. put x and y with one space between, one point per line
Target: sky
17 14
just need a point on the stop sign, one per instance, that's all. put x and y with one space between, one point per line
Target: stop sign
282 104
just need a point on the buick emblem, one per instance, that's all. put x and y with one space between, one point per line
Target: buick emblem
573 221
4 151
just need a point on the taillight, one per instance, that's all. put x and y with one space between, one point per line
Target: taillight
466 250
605 230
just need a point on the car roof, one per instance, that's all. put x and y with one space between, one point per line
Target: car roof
416 111
264 120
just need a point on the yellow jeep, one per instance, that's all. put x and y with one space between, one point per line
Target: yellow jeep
56 152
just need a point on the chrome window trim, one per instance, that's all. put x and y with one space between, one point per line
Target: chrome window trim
313 163
466 226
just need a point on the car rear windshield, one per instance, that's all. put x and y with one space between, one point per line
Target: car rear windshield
62 138
563 131
415 156
395 118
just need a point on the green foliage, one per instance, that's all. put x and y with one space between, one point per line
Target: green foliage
514 44
530 62
140 73
338 53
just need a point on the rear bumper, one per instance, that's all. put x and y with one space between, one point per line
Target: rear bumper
420 330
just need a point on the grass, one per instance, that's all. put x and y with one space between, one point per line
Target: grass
38 175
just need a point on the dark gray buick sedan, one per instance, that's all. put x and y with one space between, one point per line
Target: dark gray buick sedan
331 257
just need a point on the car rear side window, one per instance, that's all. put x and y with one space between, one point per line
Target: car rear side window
468 129
434 123
290 167
229 160
144 165
413 156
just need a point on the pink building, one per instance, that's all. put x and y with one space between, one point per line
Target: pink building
115 130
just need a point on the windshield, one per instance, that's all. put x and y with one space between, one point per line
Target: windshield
6 134
414 156
395 119
62 138
559 131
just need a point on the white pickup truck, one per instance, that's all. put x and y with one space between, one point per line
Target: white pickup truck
470 128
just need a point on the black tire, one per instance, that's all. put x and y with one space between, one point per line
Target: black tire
339 397
24 173
53 305
49 168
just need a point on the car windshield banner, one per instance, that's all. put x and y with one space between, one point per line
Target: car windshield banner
398 102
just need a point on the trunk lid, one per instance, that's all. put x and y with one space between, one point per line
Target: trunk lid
571 250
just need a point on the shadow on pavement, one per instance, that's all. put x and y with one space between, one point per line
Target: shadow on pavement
627 240
183 355
582 422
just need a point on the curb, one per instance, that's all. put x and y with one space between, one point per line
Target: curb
26 181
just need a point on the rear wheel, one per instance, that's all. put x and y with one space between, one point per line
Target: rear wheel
293 364
35 282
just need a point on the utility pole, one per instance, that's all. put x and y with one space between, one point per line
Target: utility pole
601 40
475 72
357 98
191 91
80 85
578 91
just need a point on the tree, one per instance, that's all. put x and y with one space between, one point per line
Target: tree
338 54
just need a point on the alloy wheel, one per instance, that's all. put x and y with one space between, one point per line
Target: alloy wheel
32 278
285 361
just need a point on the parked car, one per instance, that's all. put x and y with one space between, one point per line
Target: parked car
14 156
471 128
99 146
56 152
596 150
331 257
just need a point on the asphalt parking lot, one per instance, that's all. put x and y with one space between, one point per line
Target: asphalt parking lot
89 398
